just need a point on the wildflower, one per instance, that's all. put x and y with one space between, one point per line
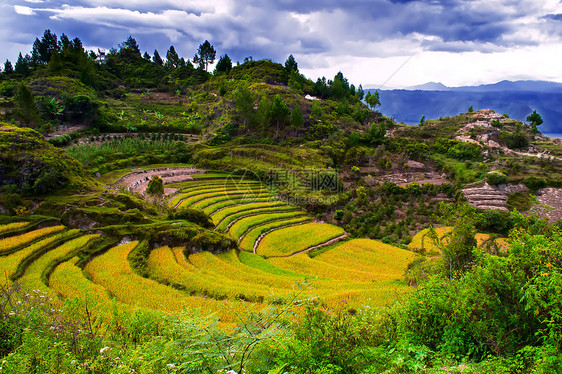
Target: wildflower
104 349
549 265
545 274
537 312
171 366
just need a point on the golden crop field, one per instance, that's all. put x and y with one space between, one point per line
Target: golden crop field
249 239
9 263
244 224
12 242
112 271
12 226
70 281
233 218
383 261
32 277
293 239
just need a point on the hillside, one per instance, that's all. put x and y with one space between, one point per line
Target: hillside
156 217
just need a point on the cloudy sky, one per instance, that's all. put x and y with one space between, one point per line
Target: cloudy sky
397 43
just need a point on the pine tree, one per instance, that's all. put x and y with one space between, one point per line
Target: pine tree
8 68
206 54
157 59
224 65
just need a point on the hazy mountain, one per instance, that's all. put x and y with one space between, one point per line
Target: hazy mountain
518 99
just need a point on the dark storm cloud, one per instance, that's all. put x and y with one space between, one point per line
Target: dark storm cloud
273 29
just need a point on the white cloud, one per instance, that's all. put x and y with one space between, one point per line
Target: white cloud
23 10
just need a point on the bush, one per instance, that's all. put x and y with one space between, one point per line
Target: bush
193 215
535 183
496 178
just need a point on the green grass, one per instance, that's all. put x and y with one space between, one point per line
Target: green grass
259 263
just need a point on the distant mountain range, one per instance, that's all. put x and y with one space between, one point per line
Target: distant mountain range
516 98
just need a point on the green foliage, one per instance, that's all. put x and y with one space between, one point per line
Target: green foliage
155 186
535 183
495 178
224 65
297 119
193 215
372 99
291 64
535 119
205 56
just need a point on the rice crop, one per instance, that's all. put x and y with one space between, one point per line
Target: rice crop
112 271
12 226
70 281
249 238
382 261
32 278
211 206
235 209
266 209
10 263
12 242
297 238
245 224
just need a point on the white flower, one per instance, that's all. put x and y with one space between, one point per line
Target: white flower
104 349
171 366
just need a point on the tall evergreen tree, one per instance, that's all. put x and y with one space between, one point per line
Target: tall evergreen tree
146 56
244 103
172 59
22 65
224 65
297 119
279 112
157 59
44 48
291 64
206 54
8 68
130 48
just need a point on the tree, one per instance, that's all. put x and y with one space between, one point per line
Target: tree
470 109
224 65
244 103
44 48
205 55
279 112
360 93
291 64
130 48
25 110
172 59
8 68
422 121
262 113
372 99
535 119
157 59
155 186
22 65
297 119
146 56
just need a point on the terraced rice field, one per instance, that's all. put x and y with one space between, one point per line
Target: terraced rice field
270 270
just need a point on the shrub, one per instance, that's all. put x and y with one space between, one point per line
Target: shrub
496 178
193 215
535 183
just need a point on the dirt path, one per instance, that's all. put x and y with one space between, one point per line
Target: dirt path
552 197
